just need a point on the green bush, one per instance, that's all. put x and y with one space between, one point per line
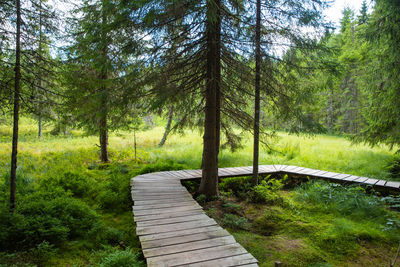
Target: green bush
267 192
113 236
121 258
114 194
44 217
75 183
232 208
234 221
238 186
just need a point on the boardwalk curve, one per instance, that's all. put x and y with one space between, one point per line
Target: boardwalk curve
174 230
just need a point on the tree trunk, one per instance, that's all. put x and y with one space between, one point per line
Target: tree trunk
40 74
209 180
14 152
168 127
104 136
104 97
134 143
40 125
257 94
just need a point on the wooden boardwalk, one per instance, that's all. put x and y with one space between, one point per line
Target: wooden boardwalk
174 230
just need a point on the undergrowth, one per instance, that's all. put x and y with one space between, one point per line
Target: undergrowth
74 210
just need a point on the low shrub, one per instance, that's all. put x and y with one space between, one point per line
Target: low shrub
238 186
114 194
267 192
232 208
120 258
234 221
75 183
53 217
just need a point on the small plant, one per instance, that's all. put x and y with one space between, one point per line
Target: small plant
43 252
267 192
121 258
234 221
238 186
232 208
201 199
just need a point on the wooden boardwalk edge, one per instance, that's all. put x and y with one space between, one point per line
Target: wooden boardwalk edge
174 230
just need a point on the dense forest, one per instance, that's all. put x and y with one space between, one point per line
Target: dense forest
95 92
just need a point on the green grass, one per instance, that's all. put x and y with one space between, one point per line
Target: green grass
71 162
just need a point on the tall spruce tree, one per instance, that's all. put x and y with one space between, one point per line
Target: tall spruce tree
382 76
100 75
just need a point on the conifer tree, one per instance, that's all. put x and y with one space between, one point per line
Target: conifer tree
100 75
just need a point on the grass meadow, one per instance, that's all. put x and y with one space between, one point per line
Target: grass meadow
310 225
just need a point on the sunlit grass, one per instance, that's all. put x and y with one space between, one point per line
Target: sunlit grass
331 153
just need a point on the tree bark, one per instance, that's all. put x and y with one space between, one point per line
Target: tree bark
256 144
40 74
168 127
104 135
209 180
104 97
14 152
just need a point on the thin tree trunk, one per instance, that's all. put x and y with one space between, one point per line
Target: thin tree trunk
218 84
168 127
14 152
104 135
40 74
134 142
209 180
40 125
103 105
257 94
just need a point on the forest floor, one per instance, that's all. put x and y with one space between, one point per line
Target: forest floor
290 230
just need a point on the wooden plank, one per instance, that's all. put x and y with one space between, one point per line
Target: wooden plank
173 220
208 243
183 174
222 172
155 197
159 193
381 183
290 168
157 229
328 175
177 234
360 179
167 215
193 173
137 213
341 176
173 174
197 255
266 169
198 173
371 181
232 172
219 232
277 167
158 190
351 178
165 205
239 260
162 201
395 185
